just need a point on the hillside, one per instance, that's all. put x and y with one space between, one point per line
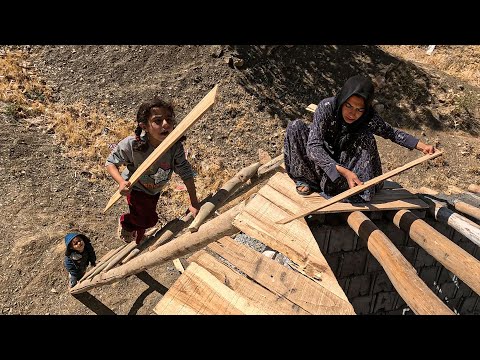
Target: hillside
53 177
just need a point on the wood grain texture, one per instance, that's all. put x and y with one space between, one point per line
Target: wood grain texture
307 294
271 303
197 292
294 240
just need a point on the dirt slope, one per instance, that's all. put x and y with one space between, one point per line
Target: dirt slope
260 89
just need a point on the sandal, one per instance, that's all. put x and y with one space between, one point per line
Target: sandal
307 188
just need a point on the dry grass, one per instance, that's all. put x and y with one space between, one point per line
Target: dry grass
84 133
460 61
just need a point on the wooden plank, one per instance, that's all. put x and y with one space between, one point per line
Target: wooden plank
170 140
309 295
391 205
359 188
258 221
271 303
296 238
197 291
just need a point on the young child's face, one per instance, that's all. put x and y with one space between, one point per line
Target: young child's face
77 244
160 124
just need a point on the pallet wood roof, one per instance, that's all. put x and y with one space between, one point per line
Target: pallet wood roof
308 286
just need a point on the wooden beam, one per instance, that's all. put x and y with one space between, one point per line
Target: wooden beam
401 273
450 255
102 265
464 226
183 245
170 140
171 229
359 188
271 165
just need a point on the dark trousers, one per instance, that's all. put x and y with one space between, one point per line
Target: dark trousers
361 157
143 212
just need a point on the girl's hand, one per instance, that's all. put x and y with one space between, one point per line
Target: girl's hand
124 188
193 210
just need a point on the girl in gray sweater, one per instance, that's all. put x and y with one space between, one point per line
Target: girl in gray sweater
156 120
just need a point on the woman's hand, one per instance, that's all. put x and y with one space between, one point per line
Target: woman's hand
350 176
425 148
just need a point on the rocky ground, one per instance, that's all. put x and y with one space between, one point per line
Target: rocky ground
261 88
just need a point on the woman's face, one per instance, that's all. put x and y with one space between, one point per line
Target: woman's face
353 109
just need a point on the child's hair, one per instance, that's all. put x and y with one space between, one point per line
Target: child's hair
142 117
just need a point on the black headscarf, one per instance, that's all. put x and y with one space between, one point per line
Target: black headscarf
360 86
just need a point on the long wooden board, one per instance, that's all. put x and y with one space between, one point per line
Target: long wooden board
280 190
359 188
171 139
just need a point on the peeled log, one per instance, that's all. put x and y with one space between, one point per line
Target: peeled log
460 223
186 244
450 255
219 198
474 188
401 273
467 209
170 230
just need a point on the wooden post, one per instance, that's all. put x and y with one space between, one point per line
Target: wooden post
450 255
170 140
186 244
401 273
359 188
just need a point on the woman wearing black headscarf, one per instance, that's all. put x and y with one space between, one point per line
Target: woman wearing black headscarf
338 151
